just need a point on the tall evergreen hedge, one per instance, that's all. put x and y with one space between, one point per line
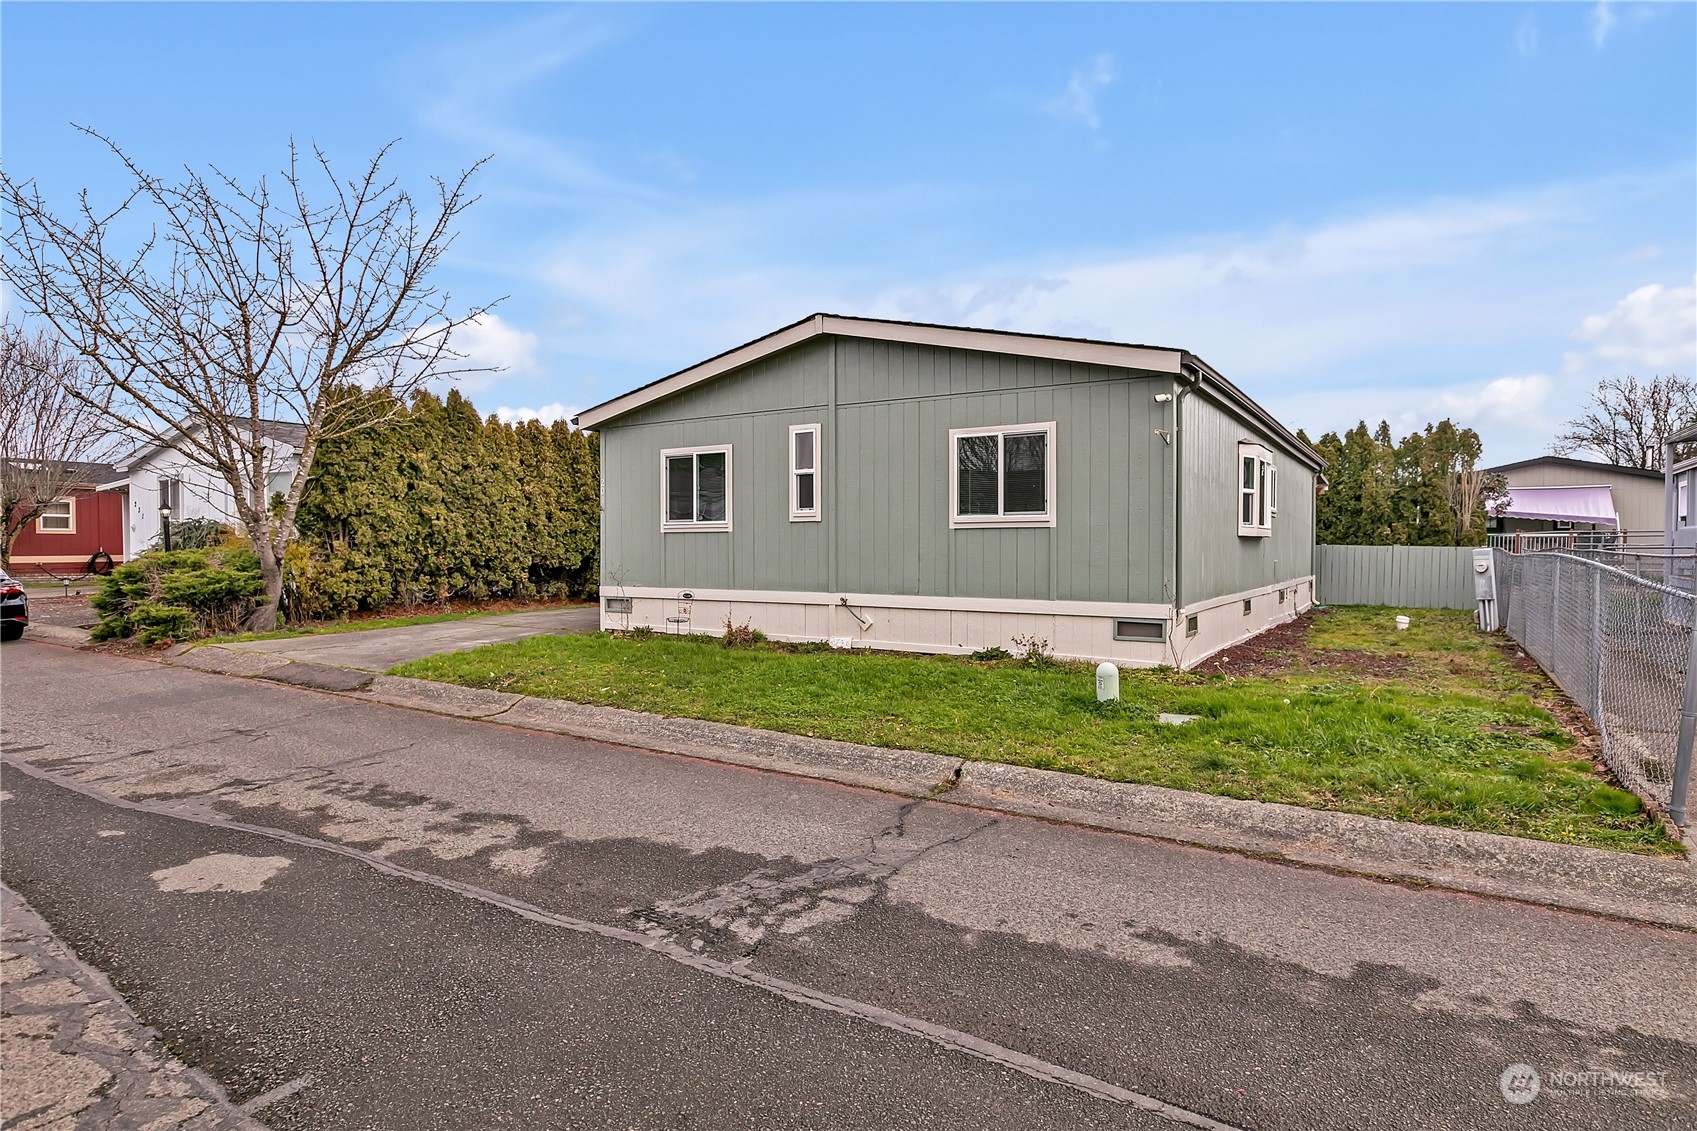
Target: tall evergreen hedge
442 503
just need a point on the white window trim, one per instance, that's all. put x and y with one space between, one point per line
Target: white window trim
668 525
796 513
1001 521
1266 479
72 515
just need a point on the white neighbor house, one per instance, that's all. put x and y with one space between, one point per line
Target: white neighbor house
156 476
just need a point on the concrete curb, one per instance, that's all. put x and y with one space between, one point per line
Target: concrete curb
898 771
1656 890
57 634
1650 889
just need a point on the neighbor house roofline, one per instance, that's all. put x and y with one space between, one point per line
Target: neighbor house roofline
1579 464
1684 435
1153 359
287 431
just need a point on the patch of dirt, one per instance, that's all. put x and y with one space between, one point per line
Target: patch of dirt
1284 649
1271 652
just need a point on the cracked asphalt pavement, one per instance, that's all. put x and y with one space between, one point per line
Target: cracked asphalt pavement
447 923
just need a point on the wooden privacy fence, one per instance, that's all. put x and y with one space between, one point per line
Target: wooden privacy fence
1408 577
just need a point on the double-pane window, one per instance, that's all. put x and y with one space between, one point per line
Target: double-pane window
1004 476
698 488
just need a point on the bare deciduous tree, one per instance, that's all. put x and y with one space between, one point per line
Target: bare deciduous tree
240 308
1627 421
47 432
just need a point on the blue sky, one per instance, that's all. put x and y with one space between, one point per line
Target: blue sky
1352 210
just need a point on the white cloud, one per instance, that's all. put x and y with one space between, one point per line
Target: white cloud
547 414
1651 330
1507 401
1282 302
1078 101
1602 23
1497 408
489 343
1526 35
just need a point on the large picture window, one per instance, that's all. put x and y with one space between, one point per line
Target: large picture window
804 473
1257 491
1003 476
695 488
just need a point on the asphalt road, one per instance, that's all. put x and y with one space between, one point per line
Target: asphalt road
455 924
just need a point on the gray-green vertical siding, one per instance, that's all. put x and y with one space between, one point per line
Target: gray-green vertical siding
1217 561
886 515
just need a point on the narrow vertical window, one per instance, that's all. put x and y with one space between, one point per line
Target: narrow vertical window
1246 514
695 488
1682 485
1257 491
804 473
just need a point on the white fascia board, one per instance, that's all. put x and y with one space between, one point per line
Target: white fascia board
1020 345
706 371
1145 358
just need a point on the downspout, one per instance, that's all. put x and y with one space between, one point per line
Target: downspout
1178 487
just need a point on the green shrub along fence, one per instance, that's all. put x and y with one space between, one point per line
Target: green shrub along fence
443 504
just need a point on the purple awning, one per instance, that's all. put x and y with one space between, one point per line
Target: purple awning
1594 505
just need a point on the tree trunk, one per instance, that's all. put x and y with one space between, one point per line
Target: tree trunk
264 618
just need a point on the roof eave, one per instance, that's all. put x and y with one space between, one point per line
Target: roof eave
1155 359
1225 390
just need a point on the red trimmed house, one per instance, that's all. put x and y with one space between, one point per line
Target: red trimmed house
86 520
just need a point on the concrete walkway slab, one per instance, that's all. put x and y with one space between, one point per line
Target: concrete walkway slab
379 649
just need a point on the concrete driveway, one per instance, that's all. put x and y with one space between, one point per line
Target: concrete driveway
379 649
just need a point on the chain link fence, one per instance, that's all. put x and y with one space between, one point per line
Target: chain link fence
1618 644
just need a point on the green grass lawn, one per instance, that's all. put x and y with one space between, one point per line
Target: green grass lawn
1435 724
363 624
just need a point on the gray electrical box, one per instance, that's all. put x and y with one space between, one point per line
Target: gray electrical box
1485 588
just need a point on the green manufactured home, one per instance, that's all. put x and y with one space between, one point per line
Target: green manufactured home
941 489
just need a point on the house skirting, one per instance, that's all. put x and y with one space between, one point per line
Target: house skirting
1075 630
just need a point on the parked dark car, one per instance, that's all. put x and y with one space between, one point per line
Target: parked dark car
14 608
